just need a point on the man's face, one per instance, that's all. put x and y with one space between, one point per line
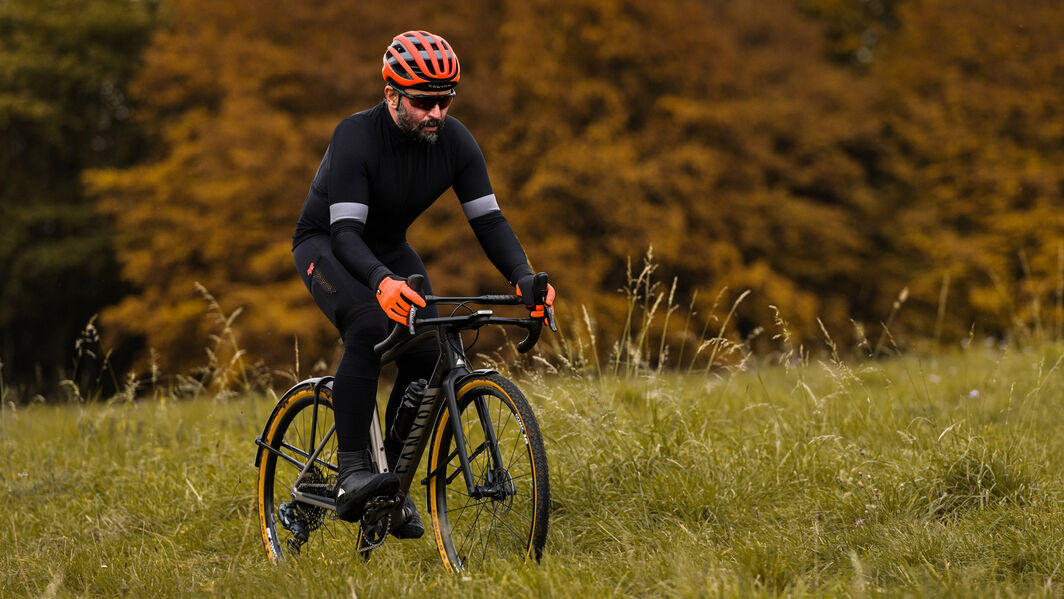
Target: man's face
423 125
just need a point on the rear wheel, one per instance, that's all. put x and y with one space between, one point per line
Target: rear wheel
506 514
292 527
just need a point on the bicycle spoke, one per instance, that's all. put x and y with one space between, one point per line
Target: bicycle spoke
520 541
473 530
487 534
501 433
472 502
500 522
490 534
518 443
521 514
504 466
481 533
325 533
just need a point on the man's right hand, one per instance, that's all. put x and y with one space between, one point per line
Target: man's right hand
395 298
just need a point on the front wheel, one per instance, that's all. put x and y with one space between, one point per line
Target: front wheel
506 514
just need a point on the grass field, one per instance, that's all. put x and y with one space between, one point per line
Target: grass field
912 476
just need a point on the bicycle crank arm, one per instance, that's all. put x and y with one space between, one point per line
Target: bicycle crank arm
379 507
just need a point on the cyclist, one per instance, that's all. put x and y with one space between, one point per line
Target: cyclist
383 167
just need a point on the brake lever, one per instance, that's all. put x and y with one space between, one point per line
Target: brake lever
416 282
539 288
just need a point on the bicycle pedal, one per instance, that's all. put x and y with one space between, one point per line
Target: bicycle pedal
383 502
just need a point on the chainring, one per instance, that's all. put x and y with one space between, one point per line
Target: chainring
377 521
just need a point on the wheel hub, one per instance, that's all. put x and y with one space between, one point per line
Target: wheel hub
500 488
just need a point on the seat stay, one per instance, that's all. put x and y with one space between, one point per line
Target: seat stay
313 458
284 456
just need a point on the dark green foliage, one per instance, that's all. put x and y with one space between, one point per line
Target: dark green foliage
64 66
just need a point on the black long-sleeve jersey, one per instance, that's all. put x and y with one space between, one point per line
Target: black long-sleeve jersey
375 180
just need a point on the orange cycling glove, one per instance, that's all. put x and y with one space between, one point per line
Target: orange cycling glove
395 297
539 311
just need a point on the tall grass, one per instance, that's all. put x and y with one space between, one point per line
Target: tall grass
643 346
907 476
804 475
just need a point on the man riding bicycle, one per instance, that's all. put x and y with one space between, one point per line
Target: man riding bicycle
383 167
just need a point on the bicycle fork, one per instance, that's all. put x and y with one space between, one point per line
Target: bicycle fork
491 443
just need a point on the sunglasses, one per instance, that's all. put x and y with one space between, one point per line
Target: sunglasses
427 103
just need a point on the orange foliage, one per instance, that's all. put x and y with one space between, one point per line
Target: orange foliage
821 160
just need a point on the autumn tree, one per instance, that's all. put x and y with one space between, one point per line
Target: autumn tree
973 142
714 131
823 154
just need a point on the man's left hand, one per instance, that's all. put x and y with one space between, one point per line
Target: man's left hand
536 310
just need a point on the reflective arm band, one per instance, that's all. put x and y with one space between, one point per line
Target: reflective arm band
480 206
348 210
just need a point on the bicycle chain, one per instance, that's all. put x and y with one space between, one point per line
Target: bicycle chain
370 545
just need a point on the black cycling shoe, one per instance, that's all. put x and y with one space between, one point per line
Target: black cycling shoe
412 527
358 484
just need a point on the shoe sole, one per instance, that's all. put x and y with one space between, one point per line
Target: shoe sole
403 533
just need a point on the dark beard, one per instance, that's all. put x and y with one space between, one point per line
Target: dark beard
417 130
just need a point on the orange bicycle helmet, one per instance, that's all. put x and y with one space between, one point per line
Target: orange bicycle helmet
421 60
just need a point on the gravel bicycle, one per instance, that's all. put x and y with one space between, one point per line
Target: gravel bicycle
486 485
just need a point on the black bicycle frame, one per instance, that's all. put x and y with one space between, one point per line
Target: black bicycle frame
451 368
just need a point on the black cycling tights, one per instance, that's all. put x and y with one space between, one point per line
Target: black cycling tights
352 307
355 386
